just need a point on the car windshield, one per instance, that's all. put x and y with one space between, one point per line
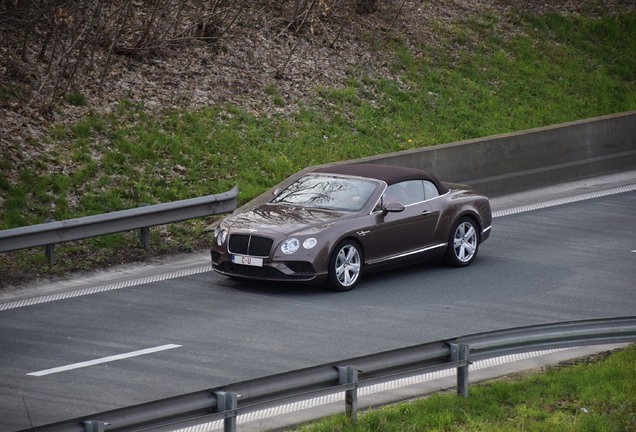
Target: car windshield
328 192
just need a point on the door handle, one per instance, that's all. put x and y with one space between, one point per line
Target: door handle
426 212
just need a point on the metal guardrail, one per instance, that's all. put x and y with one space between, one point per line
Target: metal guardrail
50 233
228 402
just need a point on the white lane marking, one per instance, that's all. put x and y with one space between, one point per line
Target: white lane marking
103 360
102 288
569 200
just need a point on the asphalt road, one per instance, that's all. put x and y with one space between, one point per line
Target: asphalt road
568 262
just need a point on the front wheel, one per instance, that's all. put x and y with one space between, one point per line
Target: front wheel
345 266
463 243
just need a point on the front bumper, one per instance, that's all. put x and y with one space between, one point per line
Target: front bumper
293 271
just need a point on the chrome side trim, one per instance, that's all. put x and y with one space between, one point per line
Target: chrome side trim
419 202
407 254
438 196
486 229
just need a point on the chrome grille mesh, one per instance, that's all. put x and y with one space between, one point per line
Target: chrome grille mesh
243 244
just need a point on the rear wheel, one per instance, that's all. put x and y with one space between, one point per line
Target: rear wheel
463 243
345 266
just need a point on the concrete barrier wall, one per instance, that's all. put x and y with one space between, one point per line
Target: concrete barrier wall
519 161
524 160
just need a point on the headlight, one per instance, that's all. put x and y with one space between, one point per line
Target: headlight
220 236
310 242
290 246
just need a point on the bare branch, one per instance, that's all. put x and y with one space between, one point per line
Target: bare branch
122 19
396 15
279 73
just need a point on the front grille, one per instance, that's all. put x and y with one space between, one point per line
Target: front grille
300 267
242 244
258 272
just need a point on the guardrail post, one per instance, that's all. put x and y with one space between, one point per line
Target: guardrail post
226 401
349 375
144 233
460 352
49 249
94 426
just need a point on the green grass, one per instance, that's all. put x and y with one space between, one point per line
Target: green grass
480 81
599 397
77 98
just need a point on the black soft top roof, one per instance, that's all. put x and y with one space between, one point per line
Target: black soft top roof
388 173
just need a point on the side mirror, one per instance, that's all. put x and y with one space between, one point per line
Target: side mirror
393 207
276 191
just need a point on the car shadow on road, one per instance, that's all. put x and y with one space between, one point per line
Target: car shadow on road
283 289
369 281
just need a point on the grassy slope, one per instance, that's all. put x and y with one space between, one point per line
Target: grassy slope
598 396
486 78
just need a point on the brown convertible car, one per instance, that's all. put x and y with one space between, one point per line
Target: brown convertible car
336 223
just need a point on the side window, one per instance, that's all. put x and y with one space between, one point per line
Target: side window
430 190
414 191
395 193
408 192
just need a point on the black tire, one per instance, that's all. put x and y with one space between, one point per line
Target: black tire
463 243
345 266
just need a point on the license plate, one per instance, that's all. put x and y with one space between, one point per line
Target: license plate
246 260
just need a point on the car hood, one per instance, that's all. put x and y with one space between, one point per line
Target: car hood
284 219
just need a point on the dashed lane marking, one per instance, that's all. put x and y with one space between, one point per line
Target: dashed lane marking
562 201
102 288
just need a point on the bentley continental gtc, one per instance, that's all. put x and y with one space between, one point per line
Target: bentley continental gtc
335 224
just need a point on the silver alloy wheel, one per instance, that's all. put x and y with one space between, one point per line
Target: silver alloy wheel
465 241
348 265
